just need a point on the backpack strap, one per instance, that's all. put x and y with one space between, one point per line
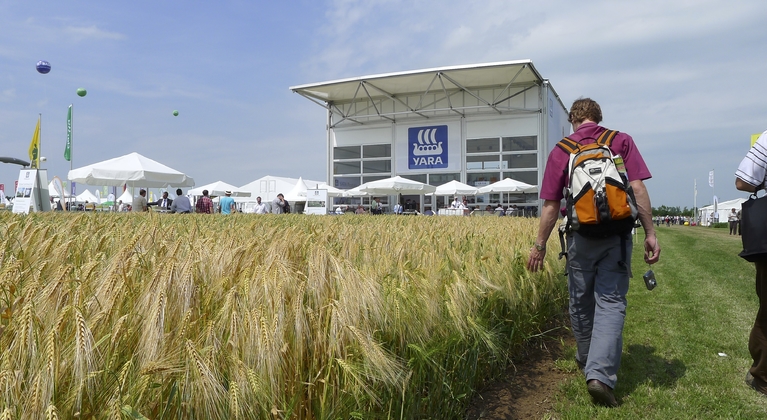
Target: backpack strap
606 138
568 145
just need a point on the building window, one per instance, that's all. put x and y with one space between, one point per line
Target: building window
482 145
517 144
439 179
376 166
346 182
483 162
517 161
344 168
376 151
367 179
482 178
528 177
347 152
417 177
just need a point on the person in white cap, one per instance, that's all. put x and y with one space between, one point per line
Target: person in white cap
226 204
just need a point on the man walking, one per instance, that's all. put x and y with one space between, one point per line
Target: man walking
750 177
598 269
260 208
226 203
204 204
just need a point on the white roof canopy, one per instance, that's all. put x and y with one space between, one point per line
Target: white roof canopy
424 92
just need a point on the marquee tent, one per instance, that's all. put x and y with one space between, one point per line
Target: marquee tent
87 196
269 186
723 210
126 197
219 188
298 193
133 170
508 185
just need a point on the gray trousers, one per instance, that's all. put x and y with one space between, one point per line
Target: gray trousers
598 280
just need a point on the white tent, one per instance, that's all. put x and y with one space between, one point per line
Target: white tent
218 188
126 197
87 196
269 186
456 188
396 185
723 209
298 193
508 185
133 170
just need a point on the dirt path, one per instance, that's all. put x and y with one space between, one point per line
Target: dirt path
528 389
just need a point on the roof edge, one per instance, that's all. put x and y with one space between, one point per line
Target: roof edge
411 72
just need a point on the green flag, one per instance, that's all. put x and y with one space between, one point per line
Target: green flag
68 149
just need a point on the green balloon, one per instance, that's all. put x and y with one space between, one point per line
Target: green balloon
175 113
81 92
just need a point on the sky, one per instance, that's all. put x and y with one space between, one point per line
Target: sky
686 79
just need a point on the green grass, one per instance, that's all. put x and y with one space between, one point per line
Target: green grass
705 304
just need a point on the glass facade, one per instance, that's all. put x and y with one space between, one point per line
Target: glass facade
488 160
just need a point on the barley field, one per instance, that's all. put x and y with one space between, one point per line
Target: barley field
262 317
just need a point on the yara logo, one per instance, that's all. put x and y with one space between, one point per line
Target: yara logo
427 147
427 143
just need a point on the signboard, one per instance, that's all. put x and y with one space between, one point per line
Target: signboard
316 202
428 148
32 191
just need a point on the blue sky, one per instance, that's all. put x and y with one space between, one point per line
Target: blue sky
686 78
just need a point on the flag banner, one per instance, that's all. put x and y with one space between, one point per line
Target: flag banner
34 147
74 188
711 179
68 148
696 188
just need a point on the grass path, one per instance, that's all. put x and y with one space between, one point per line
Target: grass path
704 305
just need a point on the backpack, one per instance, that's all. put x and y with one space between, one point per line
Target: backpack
600 201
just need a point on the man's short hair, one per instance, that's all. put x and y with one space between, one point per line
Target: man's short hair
142 192
178 191
585 109
205 192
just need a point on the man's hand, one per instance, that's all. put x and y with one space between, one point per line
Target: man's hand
535 262
651 249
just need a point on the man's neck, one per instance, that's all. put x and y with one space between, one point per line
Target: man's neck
577 125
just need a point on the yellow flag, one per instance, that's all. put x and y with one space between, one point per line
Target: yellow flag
34 147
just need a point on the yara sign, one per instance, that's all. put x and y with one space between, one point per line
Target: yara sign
427 147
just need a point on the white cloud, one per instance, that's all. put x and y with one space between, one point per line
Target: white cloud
80 33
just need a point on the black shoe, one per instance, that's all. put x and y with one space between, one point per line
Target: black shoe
602 393
757 383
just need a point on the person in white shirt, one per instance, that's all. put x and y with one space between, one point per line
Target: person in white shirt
260 208
456 203
398 208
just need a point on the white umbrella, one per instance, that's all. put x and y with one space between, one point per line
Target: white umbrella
456 188
132 169
219 188
397 185
508 185
354 192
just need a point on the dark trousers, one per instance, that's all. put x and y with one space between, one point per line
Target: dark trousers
733 228
757 342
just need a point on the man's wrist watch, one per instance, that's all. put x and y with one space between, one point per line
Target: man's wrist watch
540 247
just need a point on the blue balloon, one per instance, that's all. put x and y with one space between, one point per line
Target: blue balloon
43 67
